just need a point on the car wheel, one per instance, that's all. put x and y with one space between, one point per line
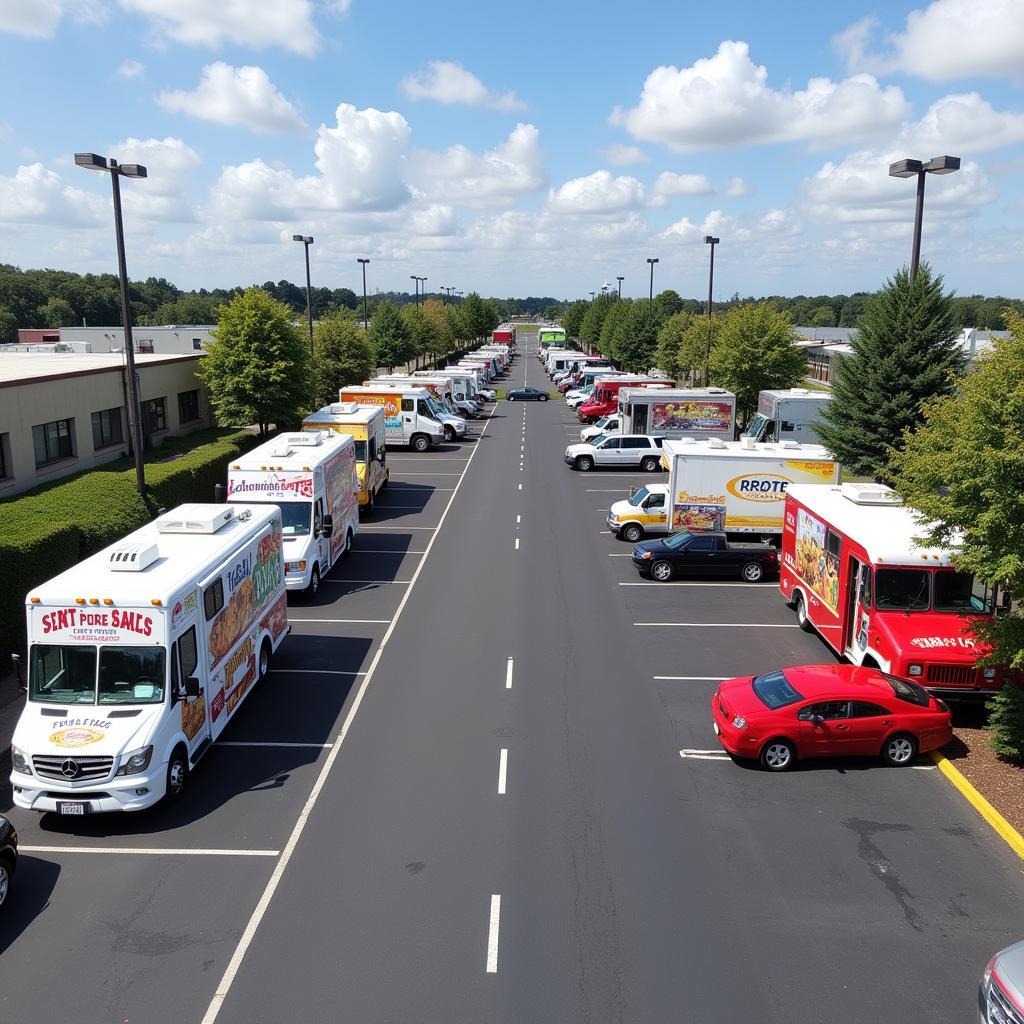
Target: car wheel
314 582
899 750
264 663
584 463
511 398
801 615
177 775
632 533
449 434
6 880
542 398
752 572
662 571
649 465
420 443
778 755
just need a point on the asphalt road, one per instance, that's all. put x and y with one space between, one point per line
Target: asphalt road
484 814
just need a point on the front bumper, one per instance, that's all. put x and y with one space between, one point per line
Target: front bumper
117 794
613 525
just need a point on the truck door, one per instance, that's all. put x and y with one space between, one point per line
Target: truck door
639 418
194 711
857 617
408 418
323 546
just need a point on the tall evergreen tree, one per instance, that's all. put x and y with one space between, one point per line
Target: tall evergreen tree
903 355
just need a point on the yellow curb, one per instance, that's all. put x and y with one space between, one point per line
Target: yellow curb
1013 839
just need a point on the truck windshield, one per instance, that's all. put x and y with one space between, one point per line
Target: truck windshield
66 674
435 409
961 592
758 426
294 515
678 540
637 499
903 590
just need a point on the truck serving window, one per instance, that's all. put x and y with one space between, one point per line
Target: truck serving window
901 590
213 599
961 592
131 675
62 674
360 451
775 691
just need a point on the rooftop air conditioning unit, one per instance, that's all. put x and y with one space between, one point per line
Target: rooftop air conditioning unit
716 391
133 557
716 442
308 440
195 519
799 391
747 442
870 494
344 408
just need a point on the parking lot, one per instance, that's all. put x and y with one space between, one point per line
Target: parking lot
481 784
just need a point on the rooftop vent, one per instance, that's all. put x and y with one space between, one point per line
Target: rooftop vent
133 557
799 391
717 391
791 445
344 408
715 442
195 519
870 494
747 442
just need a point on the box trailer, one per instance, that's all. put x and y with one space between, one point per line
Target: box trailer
788 415
605 398
677 412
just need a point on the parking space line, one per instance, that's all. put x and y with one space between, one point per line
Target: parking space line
258 743
315 672
354 621
403 582
508 674
492 934
706 755
729 584
714 679
150 851
726 625
502 770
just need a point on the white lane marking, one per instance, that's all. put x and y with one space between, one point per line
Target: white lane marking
492 934
604 490
626 554
726 625
714 679
406 508
396 529
603 510
502 770
315 672
382 551
520 487
231 971
150 851
705 755
517 543
355 621
404 475
508 674
730 585
402 582
257 743
519 519
420 489
433 458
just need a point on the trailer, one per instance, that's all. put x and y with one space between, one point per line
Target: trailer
677 412
788 415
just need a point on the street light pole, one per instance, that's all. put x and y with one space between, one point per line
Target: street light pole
712 241
307 241
423 290
652 262
907 169
93 162
591 296
619 279
359 259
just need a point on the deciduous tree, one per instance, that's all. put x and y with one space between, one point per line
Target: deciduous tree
344 355
390 336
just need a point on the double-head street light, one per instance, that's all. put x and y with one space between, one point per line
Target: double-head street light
907 169
307 241
423 290
712 241
620 280
92 162
359 259
652 262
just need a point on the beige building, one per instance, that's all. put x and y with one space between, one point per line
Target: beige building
63 413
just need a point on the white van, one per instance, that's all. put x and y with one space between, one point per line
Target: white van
411 416
455 425
140 655
312 478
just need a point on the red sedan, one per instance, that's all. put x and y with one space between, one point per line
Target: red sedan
828 711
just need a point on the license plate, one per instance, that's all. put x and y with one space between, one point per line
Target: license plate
718 731
68 808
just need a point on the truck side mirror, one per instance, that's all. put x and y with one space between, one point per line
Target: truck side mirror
16 659
192 687
220 494
328 526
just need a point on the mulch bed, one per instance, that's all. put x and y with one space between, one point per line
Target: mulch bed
1000 782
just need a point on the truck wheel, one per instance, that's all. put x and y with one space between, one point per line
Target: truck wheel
369 504
662 571
6 880
264 662
177 775
584 464
649 465
449 433
420 443
314 582
752 572
348 542
801 615
899 750
632 533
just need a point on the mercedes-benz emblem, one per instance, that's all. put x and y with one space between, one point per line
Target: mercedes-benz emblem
69 769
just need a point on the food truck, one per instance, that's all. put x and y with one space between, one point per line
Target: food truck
141 654
788 414
855 570
365 424
677 412
411 416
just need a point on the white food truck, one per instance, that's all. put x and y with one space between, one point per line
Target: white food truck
411 415
677 412
788 415
454 425
312 478
140 655
735 486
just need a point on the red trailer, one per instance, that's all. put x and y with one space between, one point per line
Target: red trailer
605 399
854 571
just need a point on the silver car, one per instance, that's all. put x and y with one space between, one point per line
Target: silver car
1001 993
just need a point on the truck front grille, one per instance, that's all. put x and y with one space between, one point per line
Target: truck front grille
950 675
72 769
1000 1009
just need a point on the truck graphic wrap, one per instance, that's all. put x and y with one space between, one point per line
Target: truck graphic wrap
274 486
814 563
391 404
692 415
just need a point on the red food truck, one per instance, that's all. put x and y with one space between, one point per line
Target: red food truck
855 572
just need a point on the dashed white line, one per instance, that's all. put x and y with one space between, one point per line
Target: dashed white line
714 679
508 674
520 486
502 770
517 543
492 934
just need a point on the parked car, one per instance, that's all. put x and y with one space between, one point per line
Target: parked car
627 450
8 859
526 395
828 711
700 554
1001 993
605 425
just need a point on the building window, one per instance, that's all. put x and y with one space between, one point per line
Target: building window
188 406
106 428
53 442
197 344
144 346
5 457
155 412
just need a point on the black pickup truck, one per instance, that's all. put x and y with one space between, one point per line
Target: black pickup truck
704 554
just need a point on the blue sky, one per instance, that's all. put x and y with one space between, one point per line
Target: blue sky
542 149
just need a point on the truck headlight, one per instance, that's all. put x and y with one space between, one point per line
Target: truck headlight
294 566
19 762
914 670
136 761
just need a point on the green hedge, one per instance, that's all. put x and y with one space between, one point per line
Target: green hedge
49 529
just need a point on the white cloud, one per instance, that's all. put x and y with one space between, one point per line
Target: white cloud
449 82
671 184
131 69
737 188
239 96
963 124
759 227
37 195
39 18
597 193
513 230
851 44
625 156
255 23
164 195
724 102
435 219
946 40
460 176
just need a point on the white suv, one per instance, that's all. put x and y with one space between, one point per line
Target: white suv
627 450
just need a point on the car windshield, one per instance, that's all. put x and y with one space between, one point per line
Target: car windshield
294 516
596 441
636 500
913 693
678 540
604 422
904 590
775 691
67 674
961 592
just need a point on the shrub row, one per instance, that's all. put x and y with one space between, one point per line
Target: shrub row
46 531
